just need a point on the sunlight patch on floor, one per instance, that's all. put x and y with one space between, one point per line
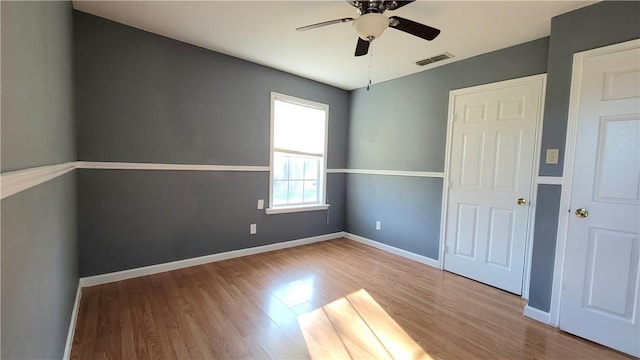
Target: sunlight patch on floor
356 326
296 292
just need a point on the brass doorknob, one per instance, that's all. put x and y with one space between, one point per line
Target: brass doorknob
521 202
582 213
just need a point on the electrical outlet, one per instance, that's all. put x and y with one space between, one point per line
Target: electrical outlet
253 228
378 225
260 204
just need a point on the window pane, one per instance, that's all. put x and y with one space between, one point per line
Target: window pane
298 145
295 192
280 192
280 167
310 191
298 127
296 168
311 168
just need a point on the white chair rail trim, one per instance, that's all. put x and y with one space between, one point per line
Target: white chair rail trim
16 181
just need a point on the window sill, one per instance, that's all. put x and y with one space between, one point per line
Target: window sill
292 209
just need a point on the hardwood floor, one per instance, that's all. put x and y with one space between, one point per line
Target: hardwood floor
334 299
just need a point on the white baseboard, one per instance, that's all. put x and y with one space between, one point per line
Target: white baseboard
394 250
174 265
536 314
72 324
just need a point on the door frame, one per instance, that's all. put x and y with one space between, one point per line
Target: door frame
540 79
567 171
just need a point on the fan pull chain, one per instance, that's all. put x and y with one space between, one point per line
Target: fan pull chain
370 61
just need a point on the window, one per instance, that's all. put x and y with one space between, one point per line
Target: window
298 147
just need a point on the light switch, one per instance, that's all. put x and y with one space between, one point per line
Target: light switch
253 229
260 204
552 156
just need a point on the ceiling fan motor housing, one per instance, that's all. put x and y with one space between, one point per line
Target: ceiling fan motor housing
379 6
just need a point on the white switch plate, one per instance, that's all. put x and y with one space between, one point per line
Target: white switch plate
253 229
552 156
260 204
378 225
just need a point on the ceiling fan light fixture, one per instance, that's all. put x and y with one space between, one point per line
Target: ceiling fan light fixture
370 26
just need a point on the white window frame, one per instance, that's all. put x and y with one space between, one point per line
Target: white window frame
322 178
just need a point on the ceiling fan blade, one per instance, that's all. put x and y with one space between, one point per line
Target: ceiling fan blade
392 5
413 28
362 48
324 23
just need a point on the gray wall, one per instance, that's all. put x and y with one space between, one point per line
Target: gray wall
39 248
39 269
142 97
602 24
543 253
131 218
37 119
405 206
401 125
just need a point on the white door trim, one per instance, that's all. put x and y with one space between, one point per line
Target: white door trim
542 79
569 159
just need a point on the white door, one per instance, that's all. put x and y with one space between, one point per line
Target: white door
600 284
492 158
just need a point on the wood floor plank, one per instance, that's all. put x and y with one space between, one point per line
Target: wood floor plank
108 341
358 338
323 341
278 345
144 332
228 342
286 320
127 345
167 307
391 335
335 299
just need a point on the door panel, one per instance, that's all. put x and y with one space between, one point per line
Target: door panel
471 165
618 151
507 160
467 232
500 237
601 275
511 109
491 165
475 113
621 83
607 247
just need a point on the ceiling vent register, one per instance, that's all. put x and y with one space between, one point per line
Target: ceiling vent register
436 58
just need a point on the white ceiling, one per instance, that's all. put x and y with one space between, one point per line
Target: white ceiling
263 32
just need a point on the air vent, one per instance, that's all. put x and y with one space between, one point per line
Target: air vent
431 60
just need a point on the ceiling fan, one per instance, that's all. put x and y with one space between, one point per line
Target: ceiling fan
372 23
